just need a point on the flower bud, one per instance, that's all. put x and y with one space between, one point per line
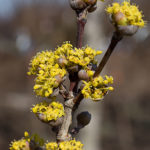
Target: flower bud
120 19
62 62
78 4
83 119
82 74
41 117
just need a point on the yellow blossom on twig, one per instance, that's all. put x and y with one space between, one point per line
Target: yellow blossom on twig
97 88
126 14
50 111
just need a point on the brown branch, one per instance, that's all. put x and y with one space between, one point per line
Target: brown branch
80 30
114 41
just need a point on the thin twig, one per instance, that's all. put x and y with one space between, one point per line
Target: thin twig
114 41
80 30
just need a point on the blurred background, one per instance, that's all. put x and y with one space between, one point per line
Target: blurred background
121 121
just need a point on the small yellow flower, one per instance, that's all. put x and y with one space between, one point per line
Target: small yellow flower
26 134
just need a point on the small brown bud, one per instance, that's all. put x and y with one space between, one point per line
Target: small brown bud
41 117
78 4
82 74
83 119
62 62
120 19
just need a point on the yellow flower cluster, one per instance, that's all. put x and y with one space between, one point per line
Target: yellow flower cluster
50 67
51 111
19 145
132 15
23 144
76 56
97 88
51 146
66 145
44 66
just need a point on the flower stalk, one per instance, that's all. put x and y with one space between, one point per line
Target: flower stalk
114 41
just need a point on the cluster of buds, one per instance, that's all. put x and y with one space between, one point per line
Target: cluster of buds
28 142
51 68
66 145
80 5
97 88
51 113
49 75
126 17
34 142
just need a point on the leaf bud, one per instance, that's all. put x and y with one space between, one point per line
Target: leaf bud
83 119
78 4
